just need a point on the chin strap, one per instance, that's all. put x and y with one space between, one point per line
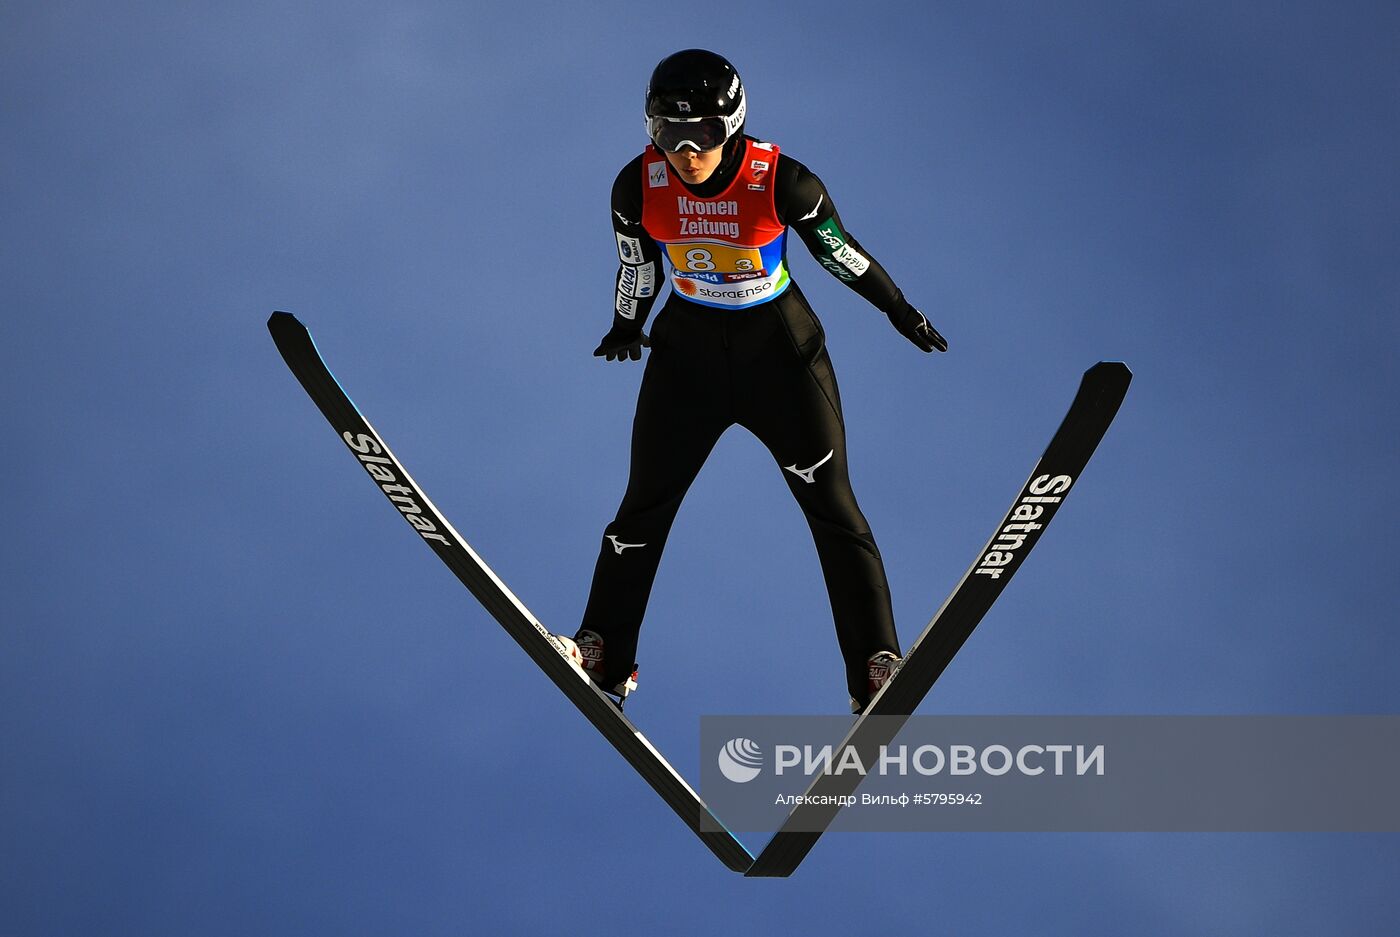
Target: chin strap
732 146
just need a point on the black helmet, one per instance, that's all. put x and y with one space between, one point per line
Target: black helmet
694 99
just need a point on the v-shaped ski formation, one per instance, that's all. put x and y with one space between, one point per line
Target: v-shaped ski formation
1093 410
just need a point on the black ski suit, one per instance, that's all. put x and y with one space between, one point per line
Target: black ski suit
764 367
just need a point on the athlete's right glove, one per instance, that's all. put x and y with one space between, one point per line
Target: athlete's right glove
622 343
913 326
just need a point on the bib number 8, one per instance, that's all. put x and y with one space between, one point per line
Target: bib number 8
699 259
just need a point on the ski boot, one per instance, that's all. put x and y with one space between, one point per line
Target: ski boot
585 650
881 668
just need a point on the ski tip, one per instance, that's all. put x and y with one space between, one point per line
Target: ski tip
1114 374
285 323
1108 367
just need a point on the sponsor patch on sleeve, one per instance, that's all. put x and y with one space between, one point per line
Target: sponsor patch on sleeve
840 258
629 249
852 259
637 281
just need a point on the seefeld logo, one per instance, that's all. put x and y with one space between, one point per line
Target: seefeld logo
740 760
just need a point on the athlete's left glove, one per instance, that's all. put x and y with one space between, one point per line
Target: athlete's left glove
914 326
622 344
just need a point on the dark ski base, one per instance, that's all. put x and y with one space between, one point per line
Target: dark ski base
1094 407
299 351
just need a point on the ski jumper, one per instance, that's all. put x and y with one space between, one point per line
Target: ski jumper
736 342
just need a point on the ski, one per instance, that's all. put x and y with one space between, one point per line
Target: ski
374 456
1100 394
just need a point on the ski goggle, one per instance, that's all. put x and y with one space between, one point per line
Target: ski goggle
700 133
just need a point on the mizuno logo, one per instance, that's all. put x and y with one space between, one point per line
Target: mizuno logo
619 546
620 217
813 213
807 474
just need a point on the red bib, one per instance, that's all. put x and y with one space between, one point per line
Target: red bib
725 251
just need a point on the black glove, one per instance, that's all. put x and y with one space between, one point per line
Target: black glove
912 325
621 344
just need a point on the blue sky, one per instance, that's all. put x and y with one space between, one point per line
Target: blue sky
236 696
